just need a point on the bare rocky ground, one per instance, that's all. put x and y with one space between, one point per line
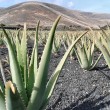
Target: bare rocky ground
76 88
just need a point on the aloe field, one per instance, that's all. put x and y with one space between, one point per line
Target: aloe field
54 70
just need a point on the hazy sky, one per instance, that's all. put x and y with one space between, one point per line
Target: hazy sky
83 5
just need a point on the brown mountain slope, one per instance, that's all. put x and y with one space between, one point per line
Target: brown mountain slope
31 12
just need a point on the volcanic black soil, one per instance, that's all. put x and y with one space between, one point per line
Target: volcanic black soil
76 88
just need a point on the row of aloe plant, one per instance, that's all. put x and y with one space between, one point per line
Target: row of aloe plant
28 88
83 50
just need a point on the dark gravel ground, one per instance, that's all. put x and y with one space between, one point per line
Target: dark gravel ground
76 88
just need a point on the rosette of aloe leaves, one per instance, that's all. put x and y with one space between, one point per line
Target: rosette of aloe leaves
28 88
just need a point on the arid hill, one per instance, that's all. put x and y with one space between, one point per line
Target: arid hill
31 12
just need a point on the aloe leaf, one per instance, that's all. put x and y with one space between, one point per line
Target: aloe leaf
105 43
41 77
54 47
92 66
33 66
2 101
2 72
89 55
64 45
12 98
24 55
78 53
78 57
31 77
18 49
36 62
72 53
12 39
106 40
2 87
82 55
104 51
14 67
84 58
92 48
51 83
105 34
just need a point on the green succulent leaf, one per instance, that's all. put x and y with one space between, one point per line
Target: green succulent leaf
2 101
24 56
2 87
103 50
31 78
33 66
12 98
2 73
36 62
15 69
41 77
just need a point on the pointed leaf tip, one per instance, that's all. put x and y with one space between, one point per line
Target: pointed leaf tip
10 84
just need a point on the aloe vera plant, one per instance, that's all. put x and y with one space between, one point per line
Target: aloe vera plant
43 38
56 45
29 89
84 52
67 41
102 42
